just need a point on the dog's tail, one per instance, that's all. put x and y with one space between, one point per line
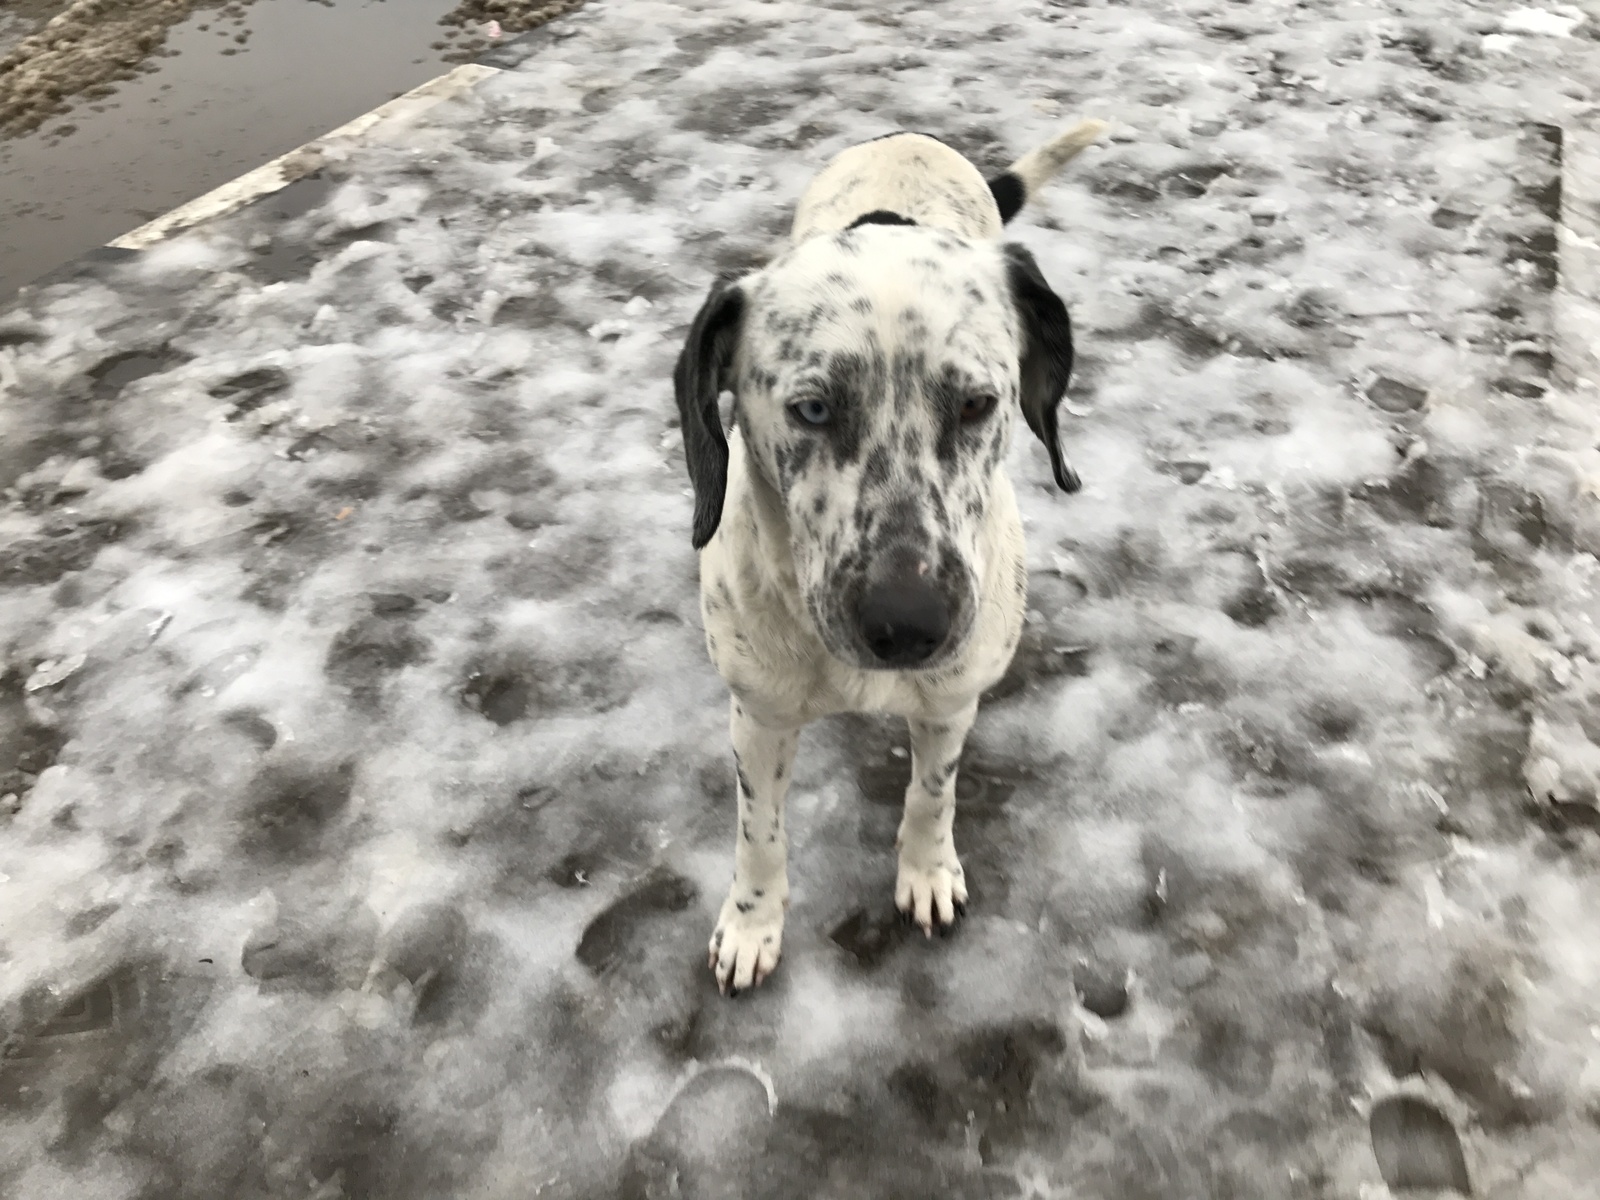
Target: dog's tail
1023 179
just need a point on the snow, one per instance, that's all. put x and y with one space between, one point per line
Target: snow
1557 23
369 790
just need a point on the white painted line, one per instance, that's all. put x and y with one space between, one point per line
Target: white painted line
1576 308
381 124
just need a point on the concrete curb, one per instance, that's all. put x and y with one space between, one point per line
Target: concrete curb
383 123
380 124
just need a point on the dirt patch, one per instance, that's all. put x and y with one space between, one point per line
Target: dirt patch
470 19
18 20
85 48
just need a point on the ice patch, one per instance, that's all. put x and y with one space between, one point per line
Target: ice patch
1558 21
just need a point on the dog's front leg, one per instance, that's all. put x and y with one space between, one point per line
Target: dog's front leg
749 933
930 887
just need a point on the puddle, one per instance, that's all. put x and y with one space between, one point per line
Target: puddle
214 108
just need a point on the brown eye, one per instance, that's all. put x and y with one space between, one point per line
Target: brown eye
976 408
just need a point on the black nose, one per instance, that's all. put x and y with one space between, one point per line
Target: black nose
904 620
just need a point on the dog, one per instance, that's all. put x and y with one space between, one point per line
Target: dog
859 541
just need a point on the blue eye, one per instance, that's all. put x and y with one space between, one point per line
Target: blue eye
812 412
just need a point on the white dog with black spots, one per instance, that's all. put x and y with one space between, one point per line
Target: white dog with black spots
860 545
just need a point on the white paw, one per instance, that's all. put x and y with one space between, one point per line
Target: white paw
747 941
931 888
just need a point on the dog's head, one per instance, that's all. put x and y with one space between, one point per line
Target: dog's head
875 373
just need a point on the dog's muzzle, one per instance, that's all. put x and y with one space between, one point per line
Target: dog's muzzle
904 619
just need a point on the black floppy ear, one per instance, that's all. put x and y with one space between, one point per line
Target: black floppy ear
698 381
1046 357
